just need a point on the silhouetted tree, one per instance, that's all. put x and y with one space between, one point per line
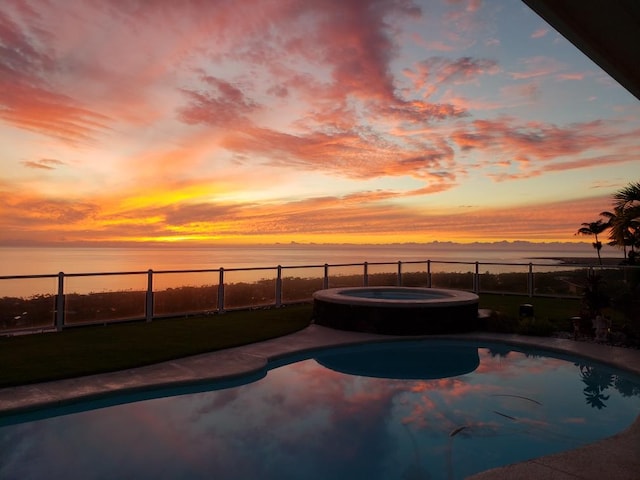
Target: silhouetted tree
623 223
619 233
594 228
627 209
628 197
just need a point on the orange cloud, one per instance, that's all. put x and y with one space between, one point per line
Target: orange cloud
43 163
364 217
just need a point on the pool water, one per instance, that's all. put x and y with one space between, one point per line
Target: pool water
360 412
394 294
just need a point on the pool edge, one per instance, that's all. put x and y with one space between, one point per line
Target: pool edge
587 462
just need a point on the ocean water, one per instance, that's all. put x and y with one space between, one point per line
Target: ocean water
306 261
40 261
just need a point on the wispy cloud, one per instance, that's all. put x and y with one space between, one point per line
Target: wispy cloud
29 101
43 163
546 145
571 76
363 214
538 66
222 105
539 33
436 72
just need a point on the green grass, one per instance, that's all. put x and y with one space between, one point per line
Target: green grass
555 310
97 349
550 314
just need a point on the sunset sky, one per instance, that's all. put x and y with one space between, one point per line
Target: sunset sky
260 121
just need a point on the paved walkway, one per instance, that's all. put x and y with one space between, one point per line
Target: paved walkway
615 458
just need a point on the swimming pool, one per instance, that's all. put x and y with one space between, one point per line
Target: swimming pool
305 420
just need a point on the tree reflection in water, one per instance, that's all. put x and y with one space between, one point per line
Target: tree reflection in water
596 381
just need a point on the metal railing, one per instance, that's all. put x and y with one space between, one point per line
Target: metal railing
145 296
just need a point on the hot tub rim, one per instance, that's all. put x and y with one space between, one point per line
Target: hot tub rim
450 298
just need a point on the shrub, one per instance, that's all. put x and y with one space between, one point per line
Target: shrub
537 327
501 323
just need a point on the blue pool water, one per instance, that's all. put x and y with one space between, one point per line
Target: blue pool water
401 410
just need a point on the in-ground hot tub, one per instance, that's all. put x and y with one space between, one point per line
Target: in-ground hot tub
396 310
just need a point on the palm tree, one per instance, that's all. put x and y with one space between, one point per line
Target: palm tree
594 228
625 220
629 196
619 233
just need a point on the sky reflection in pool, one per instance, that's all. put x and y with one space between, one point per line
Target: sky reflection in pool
304 420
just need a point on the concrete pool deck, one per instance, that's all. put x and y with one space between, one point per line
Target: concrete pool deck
616 457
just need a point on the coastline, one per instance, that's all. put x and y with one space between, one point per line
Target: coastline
587 261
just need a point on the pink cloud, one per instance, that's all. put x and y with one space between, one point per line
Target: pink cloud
541 32
28 101
538 66
545 143
31 100
223 105
435 72
351 44
571 76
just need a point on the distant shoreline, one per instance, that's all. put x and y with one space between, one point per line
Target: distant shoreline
583 260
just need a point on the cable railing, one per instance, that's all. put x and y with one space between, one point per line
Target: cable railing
67 300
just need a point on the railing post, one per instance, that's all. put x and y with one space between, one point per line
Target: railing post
59 306
428 273
399 273
279 287
365 276
476 279
221 291
325 281
148 305
530 285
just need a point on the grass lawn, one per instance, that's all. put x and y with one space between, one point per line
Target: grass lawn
554 310
96 349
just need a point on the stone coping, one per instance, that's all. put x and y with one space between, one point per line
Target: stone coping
616 457
424 297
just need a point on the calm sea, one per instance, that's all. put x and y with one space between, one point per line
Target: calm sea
34 261
48 261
